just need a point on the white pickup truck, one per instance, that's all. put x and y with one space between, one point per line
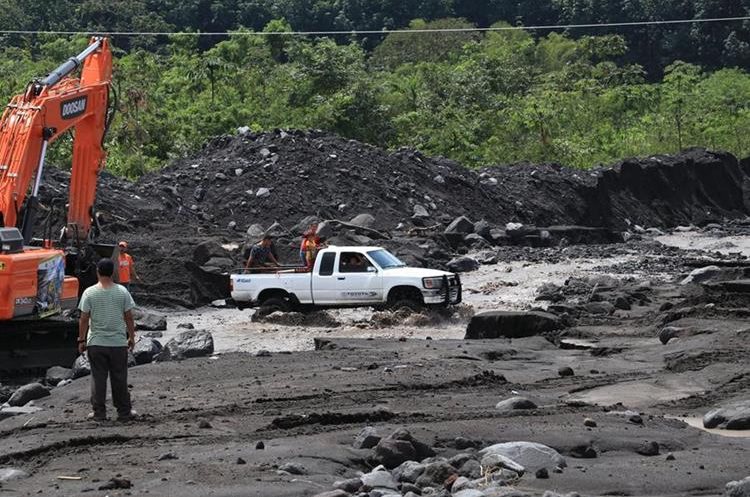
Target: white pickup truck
346 277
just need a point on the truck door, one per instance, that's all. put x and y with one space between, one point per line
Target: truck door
359 280
323 281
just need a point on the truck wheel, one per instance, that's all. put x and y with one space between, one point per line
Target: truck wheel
410 304
274 304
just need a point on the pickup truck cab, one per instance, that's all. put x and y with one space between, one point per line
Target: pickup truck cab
346 277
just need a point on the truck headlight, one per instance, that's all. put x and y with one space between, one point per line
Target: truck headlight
432 283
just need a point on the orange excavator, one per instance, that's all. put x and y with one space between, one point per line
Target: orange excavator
39 278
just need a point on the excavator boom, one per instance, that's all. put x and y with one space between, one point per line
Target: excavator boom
40 281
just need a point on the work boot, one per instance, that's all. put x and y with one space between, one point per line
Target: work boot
124 418
95 416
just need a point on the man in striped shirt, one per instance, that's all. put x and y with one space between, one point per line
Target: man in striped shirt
106 330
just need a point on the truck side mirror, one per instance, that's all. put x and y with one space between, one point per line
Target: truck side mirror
372 269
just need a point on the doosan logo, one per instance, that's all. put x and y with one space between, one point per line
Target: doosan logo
73 108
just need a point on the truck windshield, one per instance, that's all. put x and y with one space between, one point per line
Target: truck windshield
385 259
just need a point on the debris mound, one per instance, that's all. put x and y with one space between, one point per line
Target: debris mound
280 180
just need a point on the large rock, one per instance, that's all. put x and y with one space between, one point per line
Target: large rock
56 374
463 264
506 324
363 221
408 471
146 349
739 488
207 283
10 474
391 453
190 343
149 321
27 393
254 233
531 455
732 417
9 412
515 403
494 461
208 249
701 275
303 225
378 479
460 225
435 474
367 438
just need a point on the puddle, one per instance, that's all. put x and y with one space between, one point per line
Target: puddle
696 422
639 394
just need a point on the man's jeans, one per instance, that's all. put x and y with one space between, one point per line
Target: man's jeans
112 362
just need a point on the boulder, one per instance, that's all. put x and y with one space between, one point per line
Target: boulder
27 393
56 374
351 485
483 229
325 230
81 366
494 461
515 403
408 471
460 225
146 320
463 264
190 343
469 492
146 349
701 275
508 324
254 233
435 474
379 479
10 474
599 308
420 212
735 416
391 453
208 249
304 224
334 493
367 438
476 242
363 221
531 455
739 488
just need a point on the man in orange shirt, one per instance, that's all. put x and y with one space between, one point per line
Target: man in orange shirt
126 266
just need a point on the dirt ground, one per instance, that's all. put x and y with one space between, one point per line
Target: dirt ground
202 419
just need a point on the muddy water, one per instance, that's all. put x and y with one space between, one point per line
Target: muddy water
505 286
693 240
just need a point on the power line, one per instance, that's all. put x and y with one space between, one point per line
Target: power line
383 31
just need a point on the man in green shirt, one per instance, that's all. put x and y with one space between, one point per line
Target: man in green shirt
108 307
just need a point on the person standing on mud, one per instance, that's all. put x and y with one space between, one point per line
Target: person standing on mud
126 266
106 330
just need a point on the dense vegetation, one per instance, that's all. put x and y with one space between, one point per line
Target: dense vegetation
578 97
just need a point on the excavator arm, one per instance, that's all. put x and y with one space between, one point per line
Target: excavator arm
37 282
35 119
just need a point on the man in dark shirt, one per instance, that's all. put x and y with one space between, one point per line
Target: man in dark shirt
261 254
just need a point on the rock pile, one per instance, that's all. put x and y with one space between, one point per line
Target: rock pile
186 221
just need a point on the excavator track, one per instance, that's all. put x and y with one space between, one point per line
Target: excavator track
30 347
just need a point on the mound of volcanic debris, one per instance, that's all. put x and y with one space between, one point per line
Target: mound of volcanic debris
187 223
